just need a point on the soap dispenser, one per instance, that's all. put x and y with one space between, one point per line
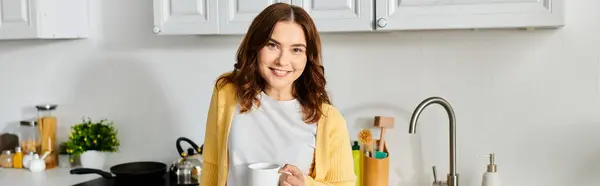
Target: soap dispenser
491 177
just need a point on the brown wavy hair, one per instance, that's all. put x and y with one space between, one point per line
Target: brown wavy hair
308 89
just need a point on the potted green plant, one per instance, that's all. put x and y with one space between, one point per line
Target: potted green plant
91 141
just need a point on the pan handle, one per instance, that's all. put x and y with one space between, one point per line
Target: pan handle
180 150
91 171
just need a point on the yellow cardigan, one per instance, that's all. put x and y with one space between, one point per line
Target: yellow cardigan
332 164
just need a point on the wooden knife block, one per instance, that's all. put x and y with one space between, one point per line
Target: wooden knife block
376 171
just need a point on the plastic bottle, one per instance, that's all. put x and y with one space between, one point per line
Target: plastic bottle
357 155
491 177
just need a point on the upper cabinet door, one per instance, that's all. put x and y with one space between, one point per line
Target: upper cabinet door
339 15
457 14
18 19
235 16
185 17
44 19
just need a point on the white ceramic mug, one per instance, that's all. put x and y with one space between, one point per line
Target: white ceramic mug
264 174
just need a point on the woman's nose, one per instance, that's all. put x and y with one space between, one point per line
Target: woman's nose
284 58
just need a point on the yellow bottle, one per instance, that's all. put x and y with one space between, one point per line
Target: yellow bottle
358 166
18 158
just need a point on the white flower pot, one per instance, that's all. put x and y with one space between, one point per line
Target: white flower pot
93 159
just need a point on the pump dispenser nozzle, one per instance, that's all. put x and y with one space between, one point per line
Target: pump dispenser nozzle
491 177
492 167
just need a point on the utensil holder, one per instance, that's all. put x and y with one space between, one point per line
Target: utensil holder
376 171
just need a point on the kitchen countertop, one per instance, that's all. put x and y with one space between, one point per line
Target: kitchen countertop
52 177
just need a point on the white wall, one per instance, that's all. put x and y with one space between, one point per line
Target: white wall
530 97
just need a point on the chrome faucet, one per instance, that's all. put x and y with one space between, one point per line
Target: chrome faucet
452 179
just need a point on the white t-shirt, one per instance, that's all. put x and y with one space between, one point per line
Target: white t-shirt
275 133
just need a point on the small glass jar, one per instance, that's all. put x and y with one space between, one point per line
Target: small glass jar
6 159
29 136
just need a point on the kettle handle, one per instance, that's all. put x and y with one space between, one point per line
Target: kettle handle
180 150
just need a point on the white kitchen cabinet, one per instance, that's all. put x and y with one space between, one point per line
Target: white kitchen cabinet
235 16
460 14
44 19
186 17
340 15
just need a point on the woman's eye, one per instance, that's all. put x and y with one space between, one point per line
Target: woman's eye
271 45
298 50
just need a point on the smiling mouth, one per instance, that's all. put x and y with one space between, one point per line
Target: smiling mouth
280 73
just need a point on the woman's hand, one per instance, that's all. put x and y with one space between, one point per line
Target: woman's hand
291 176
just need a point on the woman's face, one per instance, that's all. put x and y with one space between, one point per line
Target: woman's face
283 59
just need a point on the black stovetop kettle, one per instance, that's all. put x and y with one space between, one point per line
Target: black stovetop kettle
187 169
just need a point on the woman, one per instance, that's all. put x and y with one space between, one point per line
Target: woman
273 107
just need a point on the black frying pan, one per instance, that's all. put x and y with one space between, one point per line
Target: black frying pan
133 170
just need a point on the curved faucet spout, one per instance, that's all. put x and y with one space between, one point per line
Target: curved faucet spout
452 175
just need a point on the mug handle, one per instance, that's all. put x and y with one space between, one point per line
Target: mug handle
279 174
281 167
288 173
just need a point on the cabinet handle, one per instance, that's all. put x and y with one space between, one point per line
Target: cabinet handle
381 22
156 30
